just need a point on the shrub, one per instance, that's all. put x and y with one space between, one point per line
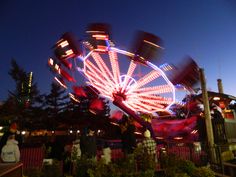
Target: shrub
203 172
176 167
181 175
126 167
52 170
147 173
83 165
187 167
144 161
32 172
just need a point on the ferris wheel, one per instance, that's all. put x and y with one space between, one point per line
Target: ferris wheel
114 73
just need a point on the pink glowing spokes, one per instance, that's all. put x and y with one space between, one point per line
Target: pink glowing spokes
126 83
130 72
114 65
140 106
156 99
150 104
151 93
136 103
97 83
102 66
146 79
100 77
154 89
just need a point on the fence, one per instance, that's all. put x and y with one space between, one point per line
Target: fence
187 151
32 157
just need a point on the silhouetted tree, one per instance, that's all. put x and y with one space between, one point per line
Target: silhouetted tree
24 99
57 102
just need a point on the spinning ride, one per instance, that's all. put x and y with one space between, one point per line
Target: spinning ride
114 73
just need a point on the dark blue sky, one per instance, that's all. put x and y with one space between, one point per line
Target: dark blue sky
203 29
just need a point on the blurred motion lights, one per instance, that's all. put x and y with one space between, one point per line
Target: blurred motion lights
67 47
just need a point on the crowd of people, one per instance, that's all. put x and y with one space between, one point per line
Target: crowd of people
84 146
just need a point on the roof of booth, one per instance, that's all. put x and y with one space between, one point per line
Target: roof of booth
222 96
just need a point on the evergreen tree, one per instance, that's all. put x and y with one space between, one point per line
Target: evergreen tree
26 90
23 100
57 102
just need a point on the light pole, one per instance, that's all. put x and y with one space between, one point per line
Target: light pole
207 115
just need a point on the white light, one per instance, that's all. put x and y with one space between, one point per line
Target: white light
56 66
71 131
216 98
23 132
153 44
50 61
78 131
194 131
159 137
64 44
178 138
138 133
114 123
1 127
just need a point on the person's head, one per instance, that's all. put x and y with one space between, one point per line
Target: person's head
11 137
147 134
105 145
77 141
130 120
213 106
91 131
124 119
13 128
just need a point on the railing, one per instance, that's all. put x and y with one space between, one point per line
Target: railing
186 151
11 170
32 157
229 169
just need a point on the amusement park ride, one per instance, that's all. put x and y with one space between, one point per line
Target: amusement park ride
112 73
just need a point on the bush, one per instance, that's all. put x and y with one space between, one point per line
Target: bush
176 167
181 175
187 167
144 161
32 172
126 167
83 165
140 164
52 170
203 172
147 173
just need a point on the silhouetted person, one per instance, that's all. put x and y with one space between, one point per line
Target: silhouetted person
127 136
218 125
57 149
88 145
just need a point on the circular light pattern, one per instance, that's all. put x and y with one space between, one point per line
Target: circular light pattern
114 73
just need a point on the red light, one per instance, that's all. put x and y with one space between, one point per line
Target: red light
96 106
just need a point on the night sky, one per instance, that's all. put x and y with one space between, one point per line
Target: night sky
202 29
